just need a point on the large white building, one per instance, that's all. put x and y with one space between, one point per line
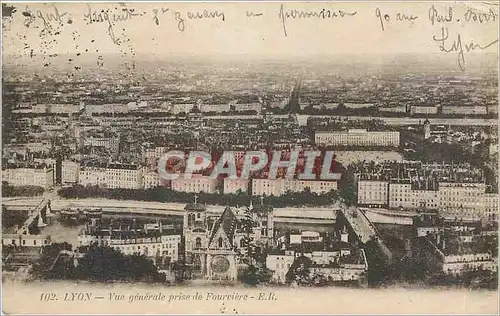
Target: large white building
70 171
373 192
92 175
181 108
277 187
111 143
447 196
124 176
424 109
243 107
151 246
279 263
219 108
403 195
112 176
456 262
151 179
22 240
154 152
467 195
42 176
357 137
198 183
235 185
464 110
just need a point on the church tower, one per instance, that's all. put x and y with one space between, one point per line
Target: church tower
427 129
195 233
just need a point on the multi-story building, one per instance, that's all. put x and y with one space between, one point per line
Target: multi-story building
490 204
268 187
315 186
127 176
393 109
155 152
22 240
29 147
277 187
92 175
457 252
130 242
424 109
404 194
70 171
373 193
38 175
279 262
113 175
219 108
151 179
333 258
235 185
357 137
181 108
466 195
197 183
110 142
243 107
464 110
448 188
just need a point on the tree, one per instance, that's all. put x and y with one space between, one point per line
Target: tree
50 265
300 271
256 274
104 264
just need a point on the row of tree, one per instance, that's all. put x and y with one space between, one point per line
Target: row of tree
22 190
163 194
12 217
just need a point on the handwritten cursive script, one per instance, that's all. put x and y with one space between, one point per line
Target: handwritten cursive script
457 46
318 14
106 16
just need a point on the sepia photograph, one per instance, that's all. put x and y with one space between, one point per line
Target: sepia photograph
250 157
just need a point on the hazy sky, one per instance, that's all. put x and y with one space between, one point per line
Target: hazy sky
261 35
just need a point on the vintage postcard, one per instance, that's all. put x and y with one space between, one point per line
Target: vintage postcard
250 157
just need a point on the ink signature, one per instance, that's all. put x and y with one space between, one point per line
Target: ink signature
457 46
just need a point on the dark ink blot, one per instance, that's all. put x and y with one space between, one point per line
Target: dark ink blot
70 21
8 10
27 14
86 50
92 41
78 54
70 59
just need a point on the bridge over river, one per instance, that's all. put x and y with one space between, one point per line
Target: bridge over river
359 223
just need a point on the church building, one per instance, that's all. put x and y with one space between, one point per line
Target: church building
216 244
